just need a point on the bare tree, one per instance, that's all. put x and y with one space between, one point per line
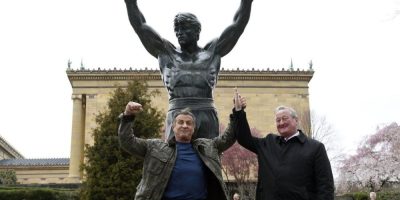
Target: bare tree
317 127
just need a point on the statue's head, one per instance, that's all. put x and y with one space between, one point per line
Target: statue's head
189 24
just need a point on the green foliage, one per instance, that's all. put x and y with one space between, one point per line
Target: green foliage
8 177
360 196
112 173
37 194
383 195
388 195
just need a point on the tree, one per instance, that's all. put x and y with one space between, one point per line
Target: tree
112 173
242 165
8 177
375 164
316 126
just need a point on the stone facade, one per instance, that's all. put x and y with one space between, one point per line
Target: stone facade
7 151
42 175
38 171
264 91
33 171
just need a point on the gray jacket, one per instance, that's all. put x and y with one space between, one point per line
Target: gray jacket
159 159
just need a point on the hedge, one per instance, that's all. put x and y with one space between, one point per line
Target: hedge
37 194
389 195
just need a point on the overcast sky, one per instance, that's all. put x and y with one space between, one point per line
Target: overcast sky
354 45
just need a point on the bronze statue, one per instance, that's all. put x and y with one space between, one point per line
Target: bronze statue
190 72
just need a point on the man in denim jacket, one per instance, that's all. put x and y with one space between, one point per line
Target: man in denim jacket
181 168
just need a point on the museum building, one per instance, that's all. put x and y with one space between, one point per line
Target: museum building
91 88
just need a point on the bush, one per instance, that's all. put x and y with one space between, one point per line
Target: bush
388 195
37 194
347 197
361 196
8 177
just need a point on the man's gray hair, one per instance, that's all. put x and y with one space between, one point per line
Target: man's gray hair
187 20
185 111
293 113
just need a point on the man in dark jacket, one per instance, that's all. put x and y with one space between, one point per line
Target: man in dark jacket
182 168
291 166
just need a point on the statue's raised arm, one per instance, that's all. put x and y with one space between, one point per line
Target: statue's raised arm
148 36
231 34
190 72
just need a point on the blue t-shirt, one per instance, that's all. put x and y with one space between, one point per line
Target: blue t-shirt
188 179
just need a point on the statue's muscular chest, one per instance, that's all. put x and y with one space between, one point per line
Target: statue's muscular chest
189 75
200 61
189 69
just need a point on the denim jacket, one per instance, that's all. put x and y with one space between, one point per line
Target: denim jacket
159 159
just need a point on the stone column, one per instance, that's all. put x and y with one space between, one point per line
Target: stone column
90 118
77 143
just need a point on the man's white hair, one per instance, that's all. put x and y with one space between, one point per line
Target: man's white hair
293 112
